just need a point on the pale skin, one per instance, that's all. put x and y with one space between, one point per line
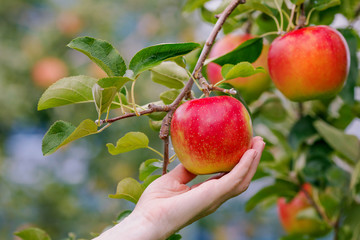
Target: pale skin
168 204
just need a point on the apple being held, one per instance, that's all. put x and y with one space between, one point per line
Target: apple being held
210 135
288 213
249 87
309 63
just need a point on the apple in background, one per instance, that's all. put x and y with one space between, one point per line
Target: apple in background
48 70
250 87
309 63
288 212
69 23
211 134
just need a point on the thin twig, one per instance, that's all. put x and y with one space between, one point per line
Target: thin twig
151 108
318 209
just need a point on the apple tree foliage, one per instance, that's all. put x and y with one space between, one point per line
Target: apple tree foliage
305 142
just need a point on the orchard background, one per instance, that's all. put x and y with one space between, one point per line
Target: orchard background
68 191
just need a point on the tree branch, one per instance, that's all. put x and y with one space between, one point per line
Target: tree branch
152 108
318 209
166 155
164 131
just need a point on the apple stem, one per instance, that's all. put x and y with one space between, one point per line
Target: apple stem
302 17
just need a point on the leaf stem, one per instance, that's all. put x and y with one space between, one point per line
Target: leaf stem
121 104
269 33
133 97
291 24
172 158
156 151
308 16
281 15
103 128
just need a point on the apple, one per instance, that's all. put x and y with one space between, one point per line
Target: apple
211 134
69 23
48 70
309 63
288 212
249 87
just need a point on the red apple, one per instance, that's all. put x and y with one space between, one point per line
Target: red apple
288 212
210 135
250 87
48 70
69 23
309 63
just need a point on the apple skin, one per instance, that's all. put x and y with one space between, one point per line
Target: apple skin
48 70
309 63
210 135
250 87
288 215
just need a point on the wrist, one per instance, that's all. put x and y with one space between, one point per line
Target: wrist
133 227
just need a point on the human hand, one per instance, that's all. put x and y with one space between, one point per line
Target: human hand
168 204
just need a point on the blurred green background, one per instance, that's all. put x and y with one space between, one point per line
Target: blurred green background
67 191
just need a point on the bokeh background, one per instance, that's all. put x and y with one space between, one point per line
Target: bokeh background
67 191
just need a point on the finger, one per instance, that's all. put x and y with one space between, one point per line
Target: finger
238 173
259 147
217 176
180 174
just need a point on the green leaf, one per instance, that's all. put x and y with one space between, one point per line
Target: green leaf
225 69
128 189
297 2
32 234
123 215
61 133
346 145
279 188
248 51
243 69
66 91
169 96
301 131
321 5
105 90
103 97
348 91
129 142
148 167
102 53
155 125
117 82
257 5
191 5
170 75
175 236
308 213
273 109
355 181
152 56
